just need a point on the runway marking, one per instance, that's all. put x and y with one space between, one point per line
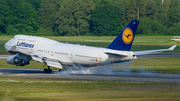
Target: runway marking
3 56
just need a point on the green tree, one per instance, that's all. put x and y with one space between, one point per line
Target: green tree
151 8
6 15
34 3
74 17
26 18
162 12
106 20
11 30
139 6
174 30
173 14
101 2
134 10
122 5
48 14
148 26
131 11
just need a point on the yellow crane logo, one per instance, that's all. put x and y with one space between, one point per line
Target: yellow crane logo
127 35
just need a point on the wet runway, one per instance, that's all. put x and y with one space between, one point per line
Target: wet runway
142 77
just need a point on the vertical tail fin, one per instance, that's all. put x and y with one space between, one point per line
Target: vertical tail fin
125 39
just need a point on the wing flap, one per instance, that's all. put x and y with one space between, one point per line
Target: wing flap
54 64
35 58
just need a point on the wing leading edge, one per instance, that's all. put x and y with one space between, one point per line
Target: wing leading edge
154 51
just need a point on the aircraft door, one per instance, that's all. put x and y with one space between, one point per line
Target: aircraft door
52 52
71 55
100 59
29 50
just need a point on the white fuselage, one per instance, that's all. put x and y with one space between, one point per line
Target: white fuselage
66 54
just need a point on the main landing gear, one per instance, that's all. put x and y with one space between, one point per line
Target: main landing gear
48 70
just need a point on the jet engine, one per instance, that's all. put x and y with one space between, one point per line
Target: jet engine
15 60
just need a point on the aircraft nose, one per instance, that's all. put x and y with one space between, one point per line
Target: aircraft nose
7 46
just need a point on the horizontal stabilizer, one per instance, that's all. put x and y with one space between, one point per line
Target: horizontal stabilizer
154 51
172 48
114 54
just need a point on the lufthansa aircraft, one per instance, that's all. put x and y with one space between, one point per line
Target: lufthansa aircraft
25 48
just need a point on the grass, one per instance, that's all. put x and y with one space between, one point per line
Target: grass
38 89
156 64
154 40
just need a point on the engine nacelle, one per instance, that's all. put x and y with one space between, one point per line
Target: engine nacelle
14 60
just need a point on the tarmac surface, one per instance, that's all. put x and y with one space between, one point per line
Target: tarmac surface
3 56
118 75
130 76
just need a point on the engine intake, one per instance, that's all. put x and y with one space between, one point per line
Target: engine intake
14 60
24 62
17 60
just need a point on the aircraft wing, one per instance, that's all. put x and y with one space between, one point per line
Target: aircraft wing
59 63
47 61
153 51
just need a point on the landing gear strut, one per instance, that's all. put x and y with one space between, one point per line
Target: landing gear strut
48 70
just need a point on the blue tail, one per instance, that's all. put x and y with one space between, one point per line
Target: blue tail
125 39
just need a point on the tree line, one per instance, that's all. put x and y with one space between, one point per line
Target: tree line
88 17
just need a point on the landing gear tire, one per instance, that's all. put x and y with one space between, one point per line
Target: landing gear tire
47 70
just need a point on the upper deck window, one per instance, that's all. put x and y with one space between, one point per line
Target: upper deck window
22 39
32 40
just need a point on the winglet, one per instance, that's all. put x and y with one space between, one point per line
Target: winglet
172 47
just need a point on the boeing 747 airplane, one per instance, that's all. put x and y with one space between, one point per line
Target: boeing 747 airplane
25 48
